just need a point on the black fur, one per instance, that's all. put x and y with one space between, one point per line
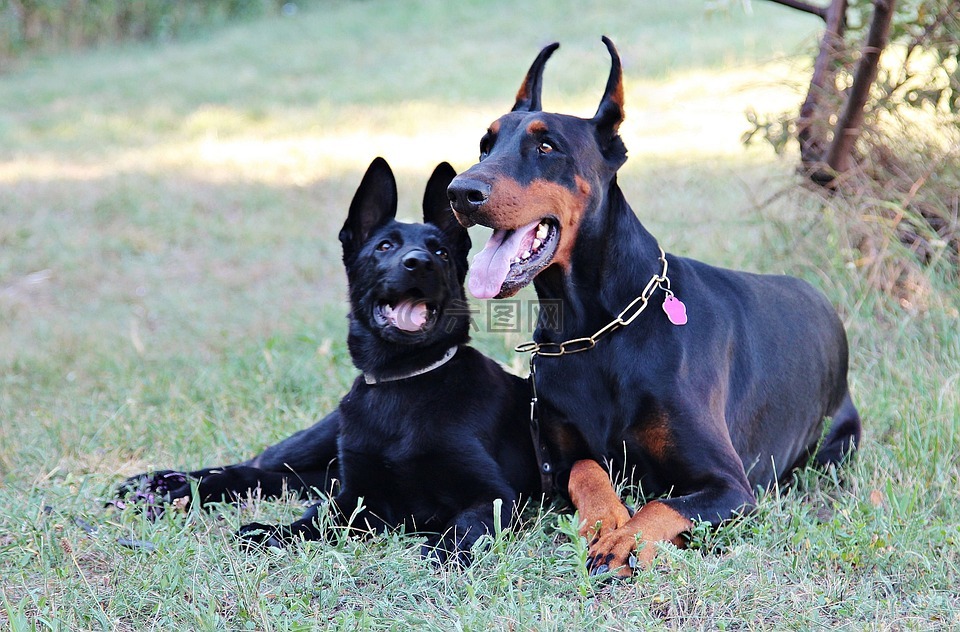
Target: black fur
430 452
708 411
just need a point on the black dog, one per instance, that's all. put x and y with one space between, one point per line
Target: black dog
706 410
433 432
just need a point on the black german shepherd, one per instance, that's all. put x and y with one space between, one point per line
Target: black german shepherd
431 433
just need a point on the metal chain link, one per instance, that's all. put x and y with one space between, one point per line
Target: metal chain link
576 345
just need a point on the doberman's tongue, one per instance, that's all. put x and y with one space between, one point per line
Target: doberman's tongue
492 264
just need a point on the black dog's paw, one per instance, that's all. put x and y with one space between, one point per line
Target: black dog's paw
151 492
257 534
440 553
452 548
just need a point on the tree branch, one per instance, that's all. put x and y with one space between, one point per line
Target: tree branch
806 7
811 144
848 125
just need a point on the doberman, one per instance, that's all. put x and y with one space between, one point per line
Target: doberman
430 435
724 391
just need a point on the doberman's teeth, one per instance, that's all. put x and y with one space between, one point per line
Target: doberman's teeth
536 244
526 255
542 231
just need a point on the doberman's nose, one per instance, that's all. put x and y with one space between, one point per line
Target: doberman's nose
417 261
467 195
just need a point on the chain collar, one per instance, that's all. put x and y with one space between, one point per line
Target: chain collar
624 318
540 450
576 345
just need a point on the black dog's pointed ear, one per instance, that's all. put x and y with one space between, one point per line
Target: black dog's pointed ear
528 97
610 112
437 211
436 203
374 203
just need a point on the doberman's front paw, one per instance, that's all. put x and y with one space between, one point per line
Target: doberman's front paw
617 551
152 492
255 533
611 519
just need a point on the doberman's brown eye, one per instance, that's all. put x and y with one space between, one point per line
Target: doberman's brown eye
384 246
442 253
544 147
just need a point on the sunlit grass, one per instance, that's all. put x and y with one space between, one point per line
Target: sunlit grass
697 115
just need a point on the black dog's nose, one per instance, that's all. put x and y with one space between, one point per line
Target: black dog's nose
467 195
417 260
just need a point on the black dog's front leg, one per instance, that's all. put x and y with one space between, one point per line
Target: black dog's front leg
214 484
279 536
454 545
304 463
153 491
346 512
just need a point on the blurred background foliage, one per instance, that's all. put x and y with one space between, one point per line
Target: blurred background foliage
879 134
52 25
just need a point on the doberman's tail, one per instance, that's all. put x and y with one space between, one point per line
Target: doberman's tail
843 437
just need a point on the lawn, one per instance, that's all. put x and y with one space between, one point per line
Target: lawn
171 295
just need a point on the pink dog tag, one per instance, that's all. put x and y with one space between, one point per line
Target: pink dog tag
675 309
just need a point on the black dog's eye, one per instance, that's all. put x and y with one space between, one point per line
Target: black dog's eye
442 253
384 246
544 147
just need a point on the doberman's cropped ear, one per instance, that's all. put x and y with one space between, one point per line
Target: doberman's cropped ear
610 112
528 97
437 211
374 203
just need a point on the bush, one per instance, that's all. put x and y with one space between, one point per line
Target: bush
898 180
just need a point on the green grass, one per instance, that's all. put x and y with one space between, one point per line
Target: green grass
171 296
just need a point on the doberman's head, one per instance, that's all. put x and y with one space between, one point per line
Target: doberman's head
539 177
405 280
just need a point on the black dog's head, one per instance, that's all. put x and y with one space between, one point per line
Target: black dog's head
538 178
405 280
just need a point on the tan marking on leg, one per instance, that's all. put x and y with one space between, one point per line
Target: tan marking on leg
655 522
654 436
595 500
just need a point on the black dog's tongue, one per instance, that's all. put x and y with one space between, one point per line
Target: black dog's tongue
407 315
